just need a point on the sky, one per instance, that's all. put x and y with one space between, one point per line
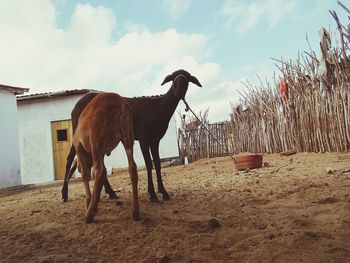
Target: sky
129 46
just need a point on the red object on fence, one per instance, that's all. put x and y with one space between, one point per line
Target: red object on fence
284 89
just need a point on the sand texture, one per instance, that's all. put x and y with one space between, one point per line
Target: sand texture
295 210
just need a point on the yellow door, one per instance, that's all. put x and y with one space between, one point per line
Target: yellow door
62 141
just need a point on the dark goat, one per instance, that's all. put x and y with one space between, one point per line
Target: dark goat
151 119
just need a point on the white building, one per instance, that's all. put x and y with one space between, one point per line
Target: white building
10 174
45 136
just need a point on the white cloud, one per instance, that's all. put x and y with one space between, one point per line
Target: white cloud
35 14
221 94
93 25
40 55
44 57
246 15
176 7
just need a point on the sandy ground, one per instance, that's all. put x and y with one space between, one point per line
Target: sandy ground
292 211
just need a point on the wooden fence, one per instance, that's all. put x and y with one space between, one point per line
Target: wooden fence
198 143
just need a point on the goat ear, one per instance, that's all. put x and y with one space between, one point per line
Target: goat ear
167 79
194 80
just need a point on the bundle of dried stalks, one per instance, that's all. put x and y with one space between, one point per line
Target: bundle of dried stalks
315 115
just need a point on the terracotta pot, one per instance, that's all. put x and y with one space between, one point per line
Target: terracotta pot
250 161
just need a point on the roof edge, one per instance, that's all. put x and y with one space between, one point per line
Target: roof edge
15 90
61 93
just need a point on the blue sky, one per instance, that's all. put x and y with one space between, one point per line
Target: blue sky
129 46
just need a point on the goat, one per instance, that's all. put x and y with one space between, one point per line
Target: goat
151 119
75 114
104 122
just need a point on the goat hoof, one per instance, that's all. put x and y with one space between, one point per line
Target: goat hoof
113 196
154 199
64 196
136 215
166 196
64 192
88 219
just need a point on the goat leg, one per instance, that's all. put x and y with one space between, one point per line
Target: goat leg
152 193
64 191
99 171
109 189
70 160
148 163
156 161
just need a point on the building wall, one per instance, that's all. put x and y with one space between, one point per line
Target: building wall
35 135
36 149
9 144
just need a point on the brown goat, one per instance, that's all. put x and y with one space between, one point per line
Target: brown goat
105 121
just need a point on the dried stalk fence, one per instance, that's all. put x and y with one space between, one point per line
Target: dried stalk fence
314 115
196 142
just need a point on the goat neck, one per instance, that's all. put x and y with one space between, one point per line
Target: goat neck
176 92
169 102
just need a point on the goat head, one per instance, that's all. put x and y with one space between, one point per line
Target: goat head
183 72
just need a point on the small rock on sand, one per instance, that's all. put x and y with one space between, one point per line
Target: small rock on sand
214 223
329 170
